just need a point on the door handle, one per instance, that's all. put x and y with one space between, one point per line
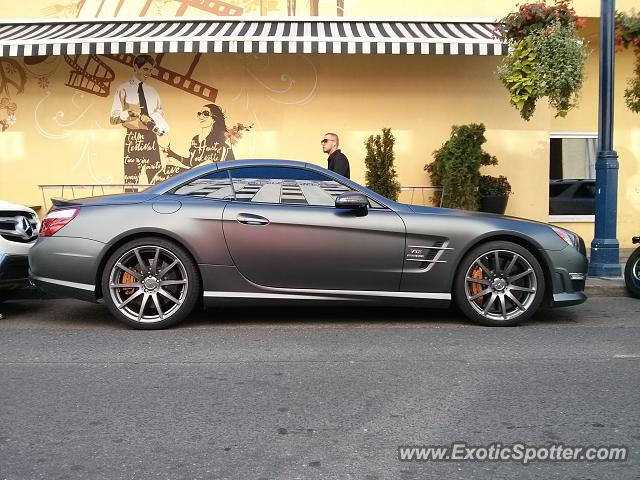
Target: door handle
250 219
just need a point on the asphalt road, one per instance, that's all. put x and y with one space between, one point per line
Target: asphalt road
310 393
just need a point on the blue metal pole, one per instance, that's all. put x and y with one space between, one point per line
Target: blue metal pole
605 249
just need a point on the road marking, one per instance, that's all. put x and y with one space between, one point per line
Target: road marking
627 356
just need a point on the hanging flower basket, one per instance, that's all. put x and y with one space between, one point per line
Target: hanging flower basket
546 58
628 36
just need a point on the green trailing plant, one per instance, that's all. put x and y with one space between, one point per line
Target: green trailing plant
519 76
628 36
381 176
632 92
490 185
560 57
456 166
547 56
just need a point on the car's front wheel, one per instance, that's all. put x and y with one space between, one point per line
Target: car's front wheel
499 284
150 283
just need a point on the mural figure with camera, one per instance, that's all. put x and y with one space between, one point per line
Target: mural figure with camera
136 106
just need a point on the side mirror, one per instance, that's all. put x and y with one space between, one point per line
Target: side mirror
352 201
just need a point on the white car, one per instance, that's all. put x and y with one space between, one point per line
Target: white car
19 226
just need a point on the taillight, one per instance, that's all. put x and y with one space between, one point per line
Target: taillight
56 220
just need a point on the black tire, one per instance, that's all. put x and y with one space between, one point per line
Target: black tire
506 296
632 273
165 304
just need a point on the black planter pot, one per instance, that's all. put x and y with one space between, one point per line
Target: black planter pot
494 204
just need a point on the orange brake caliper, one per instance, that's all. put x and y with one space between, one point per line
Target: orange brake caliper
476 288
128 278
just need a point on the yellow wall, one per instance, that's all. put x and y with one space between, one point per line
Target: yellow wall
63 136
379 8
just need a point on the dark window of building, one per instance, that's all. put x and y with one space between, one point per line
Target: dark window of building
571 167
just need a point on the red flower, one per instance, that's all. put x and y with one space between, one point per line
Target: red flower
581 22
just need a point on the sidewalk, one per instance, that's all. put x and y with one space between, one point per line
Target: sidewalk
609 286
606 287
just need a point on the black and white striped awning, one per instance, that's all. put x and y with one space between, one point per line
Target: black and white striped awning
265 35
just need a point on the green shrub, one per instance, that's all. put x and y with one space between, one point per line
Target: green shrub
456 166
490 185
381 176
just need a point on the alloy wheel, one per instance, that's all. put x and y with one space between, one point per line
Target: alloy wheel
500 285
148 284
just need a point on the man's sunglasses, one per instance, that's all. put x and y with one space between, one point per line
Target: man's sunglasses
204 113
325 140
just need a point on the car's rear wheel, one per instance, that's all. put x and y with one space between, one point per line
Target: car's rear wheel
499 284
632 274
150 283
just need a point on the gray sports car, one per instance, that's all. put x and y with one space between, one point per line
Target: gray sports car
274 230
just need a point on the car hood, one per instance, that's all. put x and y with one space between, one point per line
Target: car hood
8 206
469 214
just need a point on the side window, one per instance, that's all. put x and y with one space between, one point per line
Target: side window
216 185
285 185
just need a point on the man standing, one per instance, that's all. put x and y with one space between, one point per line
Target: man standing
136 106
337 160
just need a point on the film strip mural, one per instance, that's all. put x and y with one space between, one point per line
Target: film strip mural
89 74
181 81
143 8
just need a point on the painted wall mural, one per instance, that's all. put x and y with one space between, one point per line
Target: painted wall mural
323 8
187 8
13 78
65 95
89 74
148 156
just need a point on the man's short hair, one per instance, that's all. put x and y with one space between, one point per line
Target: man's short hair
335 137
142 60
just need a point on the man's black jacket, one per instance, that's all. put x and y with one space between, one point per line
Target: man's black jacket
339 163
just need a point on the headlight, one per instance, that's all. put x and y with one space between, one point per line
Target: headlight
571 238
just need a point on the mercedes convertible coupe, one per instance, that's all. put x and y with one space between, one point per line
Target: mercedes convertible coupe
284 231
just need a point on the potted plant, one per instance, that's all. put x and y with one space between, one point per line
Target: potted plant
456 167
381 176
547 56
494 193
628 36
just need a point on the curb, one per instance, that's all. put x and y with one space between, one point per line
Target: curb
606 292
606 287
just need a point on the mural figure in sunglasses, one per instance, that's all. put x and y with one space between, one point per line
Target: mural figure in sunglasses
210 145
136 106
